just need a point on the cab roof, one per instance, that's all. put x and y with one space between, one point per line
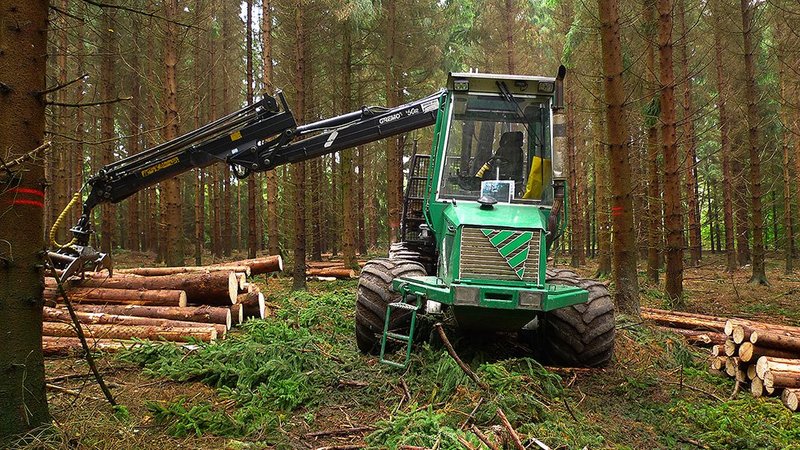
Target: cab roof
488 82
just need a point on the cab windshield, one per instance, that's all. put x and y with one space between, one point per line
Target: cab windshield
499 148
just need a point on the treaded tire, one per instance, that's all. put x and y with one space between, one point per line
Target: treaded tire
412 251
374 293
580 335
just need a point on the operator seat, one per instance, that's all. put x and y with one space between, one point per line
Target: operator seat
512 158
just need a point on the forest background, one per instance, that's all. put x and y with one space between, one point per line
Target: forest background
711 118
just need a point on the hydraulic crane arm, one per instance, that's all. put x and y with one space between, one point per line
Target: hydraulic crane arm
256 138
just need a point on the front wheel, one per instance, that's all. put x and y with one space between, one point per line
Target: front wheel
580 335
374 294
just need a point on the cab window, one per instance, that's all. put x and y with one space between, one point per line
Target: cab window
500 145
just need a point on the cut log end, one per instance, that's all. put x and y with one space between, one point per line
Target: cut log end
739 334
730 348
182 300
262 305
791 399
233 287
757 387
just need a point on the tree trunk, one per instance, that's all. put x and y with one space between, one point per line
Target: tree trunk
108 51
348 193
602 195
624 247
672 191
227 195
751 95
393 152
23 50
173 255
299 169
273 225
689 144
159 271
252 222
654 202
509 20
724 140
134 232
785 115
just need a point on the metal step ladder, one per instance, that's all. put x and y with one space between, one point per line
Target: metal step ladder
407 339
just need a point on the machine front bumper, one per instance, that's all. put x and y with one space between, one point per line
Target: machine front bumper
552 296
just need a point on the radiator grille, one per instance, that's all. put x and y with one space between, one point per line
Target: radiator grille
500 254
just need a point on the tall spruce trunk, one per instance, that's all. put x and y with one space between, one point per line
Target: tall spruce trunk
76 158
393 152
134 232
602 192
227 194
23 50
626 283
785 115
724 140
654 201
689 144
173 254
198 176
751 95
252 222
347 175
672 190
107 83
509 20
273 226
299 169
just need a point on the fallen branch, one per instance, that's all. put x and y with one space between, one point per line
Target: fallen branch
471 414
696 389
467 370
338 432
483 438
72 392
510 429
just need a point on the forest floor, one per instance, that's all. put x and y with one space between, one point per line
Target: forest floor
298 372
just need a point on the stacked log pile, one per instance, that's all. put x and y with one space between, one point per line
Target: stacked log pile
330 270
176 304
763 356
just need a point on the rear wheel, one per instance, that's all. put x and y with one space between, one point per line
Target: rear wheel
580 335
374 294
424 254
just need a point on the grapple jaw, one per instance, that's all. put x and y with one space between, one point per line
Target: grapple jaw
75 259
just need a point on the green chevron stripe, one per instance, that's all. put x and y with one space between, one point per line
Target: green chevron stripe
500 237
519 258
514 245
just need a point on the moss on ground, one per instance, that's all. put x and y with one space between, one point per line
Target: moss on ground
276 380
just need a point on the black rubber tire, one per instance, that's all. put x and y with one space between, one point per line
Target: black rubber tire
580 335
412 251
374 293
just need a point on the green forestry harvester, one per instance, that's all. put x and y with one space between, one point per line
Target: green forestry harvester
481 212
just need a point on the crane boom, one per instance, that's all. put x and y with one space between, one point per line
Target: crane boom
256 138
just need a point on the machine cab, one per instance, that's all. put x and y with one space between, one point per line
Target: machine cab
498 141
